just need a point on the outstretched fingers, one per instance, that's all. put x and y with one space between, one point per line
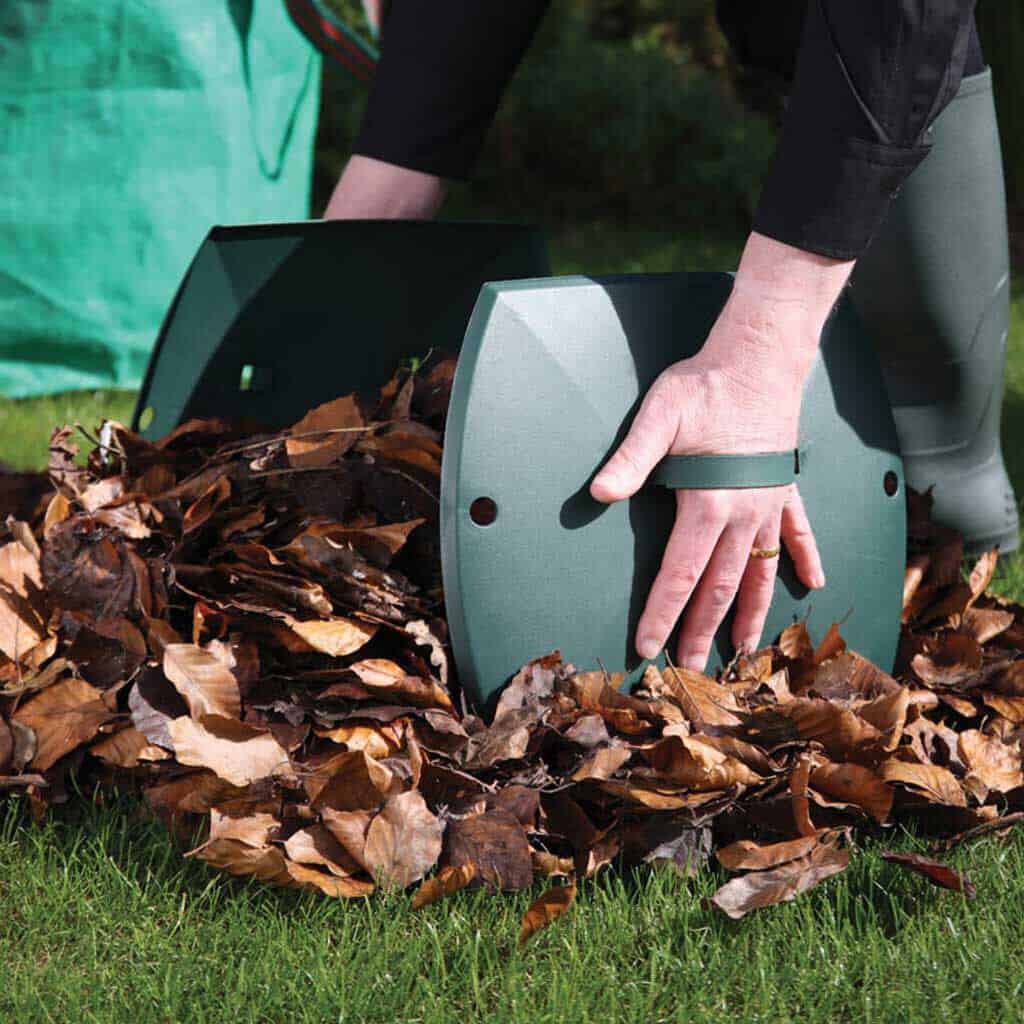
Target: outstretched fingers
757 588
701 516
716 592
798 538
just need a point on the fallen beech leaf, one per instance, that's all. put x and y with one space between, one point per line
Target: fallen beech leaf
1011 708
1007 680
22 624
888 714
447 881
598 692
211 499
154 702
746 855
602 763
913 576
984 624
336 637
127 748
795 643
856 785
548 865
961 705
22 533
843 734
403 841
982 573
62 716
379 674
254 829
352 781
741 895
193 793
753 757
207 685
267 863
316 845
799 779
376 741
996 764
330 885
236 752
548 907
24 745
325 433
379 544
935 871
687 761
938 784
495 844
832 644
522 802
956 660
702 700
106 652
658 799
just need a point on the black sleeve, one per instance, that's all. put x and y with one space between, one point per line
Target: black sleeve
871 77
443 68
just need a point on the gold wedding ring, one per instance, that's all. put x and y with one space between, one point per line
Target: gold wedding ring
765 552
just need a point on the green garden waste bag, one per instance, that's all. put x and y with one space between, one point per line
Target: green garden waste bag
127 129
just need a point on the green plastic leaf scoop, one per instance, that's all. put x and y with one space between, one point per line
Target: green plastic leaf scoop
550 373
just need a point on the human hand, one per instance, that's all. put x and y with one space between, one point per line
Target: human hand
370 189
739 395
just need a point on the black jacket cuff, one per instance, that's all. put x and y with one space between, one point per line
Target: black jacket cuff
830 195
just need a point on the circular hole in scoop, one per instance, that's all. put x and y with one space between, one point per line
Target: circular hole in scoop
483 511
146 417
891 484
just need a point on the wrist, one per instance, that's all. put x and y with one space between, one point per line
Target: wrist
772 323
774 272
370 189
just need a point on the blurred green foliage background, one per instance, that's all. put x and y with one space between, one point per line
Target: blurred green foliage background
636 111
627 109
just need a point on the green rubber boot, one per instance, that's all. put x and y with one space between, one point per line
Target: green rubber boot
934 290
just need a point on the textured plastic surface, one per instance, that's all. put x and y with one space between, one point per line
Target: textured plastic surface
272 320
695 472
549 376
934 292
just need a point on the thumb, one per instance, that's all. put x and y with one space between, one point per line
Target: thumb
648 441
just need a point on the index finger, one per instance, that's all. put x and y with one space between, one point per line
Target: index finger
700 519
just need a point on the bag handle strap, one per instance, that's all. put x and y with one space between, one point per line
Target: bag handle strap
711 472
334 38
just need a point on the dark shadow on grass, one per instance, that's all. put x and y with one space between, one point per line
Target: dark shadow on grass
1012 434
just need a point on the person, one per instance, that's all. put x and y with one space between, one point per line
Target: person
868 82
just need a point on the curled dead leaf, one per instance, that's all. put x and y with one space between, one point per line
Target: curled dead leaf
758 889
447 881
548 907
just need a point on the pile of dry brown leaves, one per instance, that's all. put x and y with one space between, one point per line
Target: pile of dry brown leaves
251 629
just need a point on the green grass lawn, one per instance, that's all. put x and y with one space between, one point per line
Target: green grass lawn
102 920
